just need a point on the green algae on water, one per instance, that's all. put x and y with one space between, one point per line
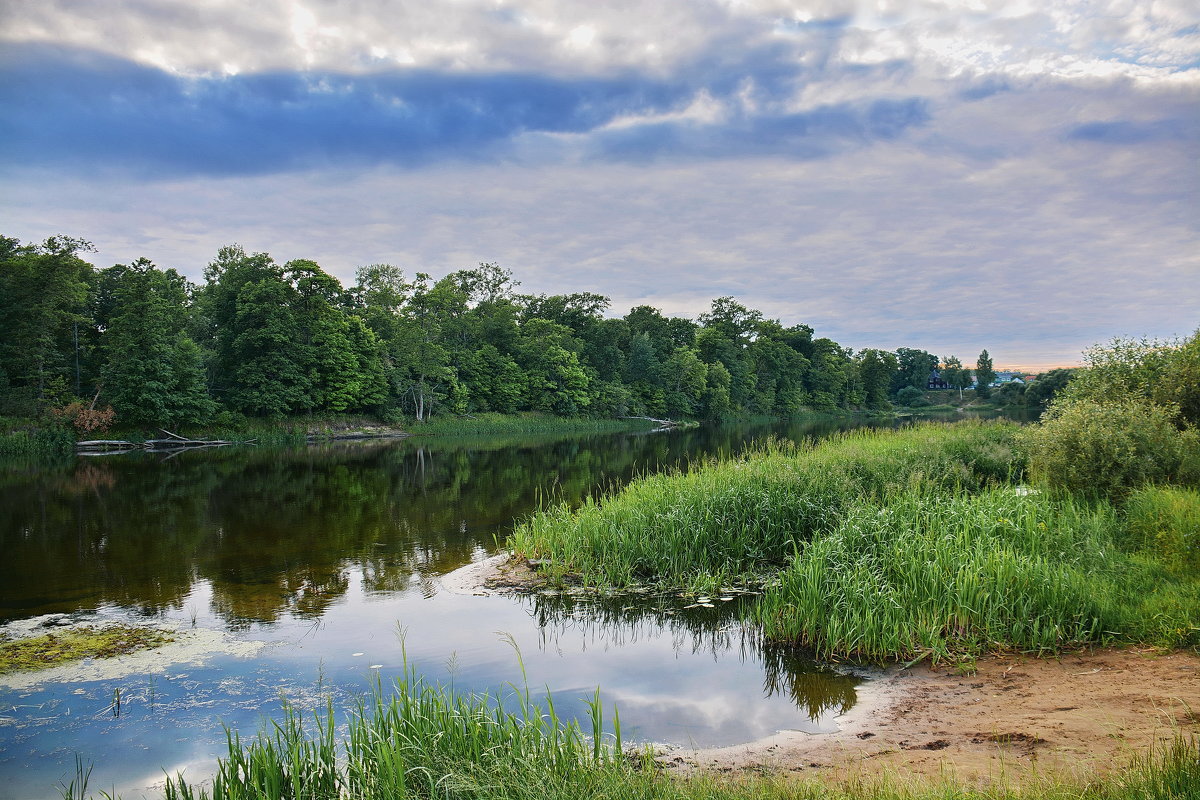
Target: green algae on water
76 643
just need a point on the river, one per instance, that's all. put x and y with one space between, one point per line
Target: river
318 569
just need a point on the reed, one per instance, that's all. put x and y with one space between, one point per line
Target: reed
468 755
421 740
739 521
895 545
41 443
926 573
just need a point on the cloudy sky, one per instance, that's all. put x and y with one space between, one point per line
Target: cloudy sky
947 175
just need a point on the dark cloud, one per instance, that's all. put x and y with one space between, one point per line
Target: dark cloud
67 106
1126 132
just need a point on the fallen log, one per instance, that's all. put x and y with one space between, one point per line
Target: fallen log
97 444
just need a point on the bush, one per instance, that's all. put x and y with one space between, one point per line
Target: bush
912 397
1105 446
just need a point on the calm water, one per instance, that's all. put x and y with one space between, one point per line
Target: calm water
332 556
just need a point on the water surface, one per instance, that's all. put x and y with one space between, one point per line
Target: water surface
332 555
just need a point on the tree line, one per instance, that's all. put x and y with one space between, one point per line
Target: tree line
265 339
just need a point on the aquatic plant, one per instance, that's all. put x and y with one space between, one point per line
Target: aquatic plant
74 643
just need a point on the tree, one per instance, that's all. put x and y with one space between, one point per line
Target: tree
913 368
44 292
955 374
876 369
1042 391
686 380
984 375
153 372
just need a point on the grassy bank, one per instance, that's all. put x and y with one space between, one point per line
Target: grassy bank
423 741
897 545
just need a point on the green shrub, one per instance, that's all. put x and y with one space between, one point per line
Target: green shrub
1105 447
912 397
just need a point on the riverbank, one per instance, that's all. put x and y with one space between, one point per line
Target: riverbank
1008 718
1013 719
24 438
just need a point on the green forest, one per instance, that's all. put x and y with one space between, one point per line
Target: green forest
137 344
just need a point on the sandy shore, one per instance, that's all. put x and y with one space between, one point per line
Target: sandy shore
1014 717
1077 715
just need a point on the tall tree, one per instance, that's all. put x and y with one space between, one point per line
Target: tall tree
984 375
876 369
44 291
913 368
153 372
955 374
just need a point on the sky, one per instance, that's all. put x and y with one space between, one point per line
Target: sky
952 176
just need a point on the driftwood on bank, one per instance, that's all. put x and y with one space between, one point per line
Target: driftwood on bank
662 423
176 442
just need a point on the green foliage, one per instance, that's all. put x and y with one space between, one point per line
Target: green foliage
1166 522
912 368
1042 391
912 397
268 340
876 369
44 293
153 372
1166 373
1105 447
890 545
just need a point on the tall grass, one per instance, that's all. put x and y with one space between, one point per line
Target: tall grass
41 443
928 573
895 545
735 521
442 746
422 740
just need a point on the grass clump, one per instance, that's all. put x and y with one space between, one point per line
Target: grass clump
741 520
42 443
927 574
1165 521
75 643
427 742
423 740
898 545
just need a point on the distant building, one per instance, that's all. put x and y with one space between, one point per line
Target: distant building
936 381
1010 377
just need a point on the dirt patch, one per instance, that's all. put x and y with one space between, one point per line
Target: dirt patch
1075 716
500 574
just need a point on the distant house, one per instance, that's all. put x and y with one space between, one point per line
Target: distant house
1009 377
936 381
